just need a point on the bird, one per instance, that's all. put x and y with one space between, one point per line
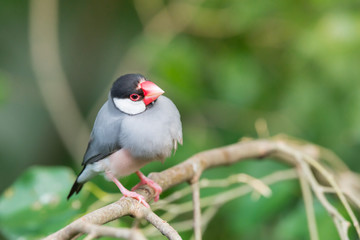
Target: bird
135 126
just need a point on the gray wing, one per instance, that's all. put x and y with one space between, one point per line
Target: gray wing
105 136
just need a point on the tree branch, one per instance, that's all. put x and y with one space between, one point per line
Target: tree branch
297 156
197 210
161 225
309 207
95 231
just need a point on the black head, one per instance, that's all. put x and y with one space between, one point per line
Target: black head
133 94
126 85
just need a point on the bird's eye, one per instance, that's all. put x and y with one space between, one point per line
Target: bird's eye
134 97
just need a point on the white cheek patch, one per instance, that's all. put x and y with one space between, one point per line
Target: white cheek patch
128 106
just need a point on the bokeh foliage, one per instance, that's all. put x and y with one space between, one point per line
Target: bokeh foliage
37 197
224 63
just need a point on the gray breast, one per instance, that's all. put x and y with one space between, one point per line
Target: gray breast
152 135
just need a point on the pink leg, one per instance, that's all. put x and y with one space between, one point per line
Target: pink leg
144 180
126 192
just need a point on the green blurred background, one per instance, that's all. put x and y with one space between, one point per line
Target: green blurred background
225 64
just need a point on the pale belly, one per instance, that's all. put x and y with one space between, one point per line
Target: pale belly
120 164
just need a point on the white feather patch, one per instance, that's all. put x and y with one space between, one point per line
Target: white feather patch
93 169
128 106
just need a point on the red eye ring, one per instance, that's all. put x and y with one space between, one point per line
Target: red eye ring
134 97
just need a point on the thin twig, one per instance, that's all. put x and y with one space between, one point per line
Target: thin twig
197 210
340 222
309 207
90 237
225 196
162 226
209 213
173 210
257 184
349 195
330 178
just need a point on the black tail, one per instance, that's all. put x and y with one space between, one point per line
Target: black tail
75 188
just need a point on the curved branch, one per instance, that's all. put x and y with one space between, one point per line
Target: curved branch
162 226
105 231
180 173
309 207
194 166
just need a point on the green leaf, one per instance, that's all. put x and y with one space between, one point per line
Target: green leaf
35 205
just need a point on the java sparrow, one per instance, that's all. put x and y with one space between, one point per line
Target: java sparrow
135 126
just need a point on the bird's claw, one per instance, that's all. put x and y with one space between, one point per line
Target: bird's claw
138 197
152 184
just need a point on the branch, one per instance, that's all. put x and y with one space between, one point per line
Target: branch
197 210
309 207
95 231
125 206
195 165
302 160
214 202
162 225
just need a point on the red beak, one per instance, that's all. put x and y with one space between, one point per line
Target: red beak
151 91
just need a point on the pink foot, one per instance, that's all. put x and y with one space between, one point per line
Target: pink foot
147 181
126 192
136 196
